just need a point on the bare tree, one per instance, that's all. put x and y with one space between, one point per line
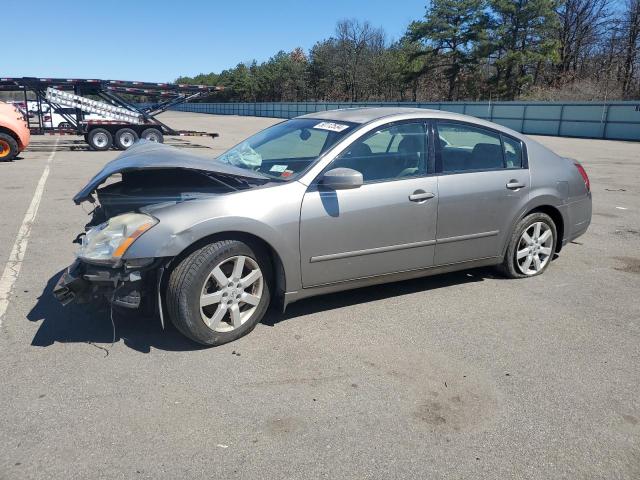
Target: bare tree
357 43
581 28
631 24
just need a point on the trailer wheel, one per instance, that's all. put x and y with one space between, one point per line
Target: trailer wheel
153 135
8 147
100 139
125 137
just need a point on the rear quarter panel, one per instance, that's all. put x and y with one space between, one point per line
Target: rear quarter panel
556 182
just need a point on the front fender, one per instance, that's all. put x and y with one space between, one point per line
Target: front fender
271 214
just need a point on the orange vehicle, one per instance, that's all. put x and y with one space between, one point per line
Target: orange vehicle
14 132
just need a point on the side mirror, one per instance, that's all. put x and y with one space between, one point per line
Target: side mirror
342 179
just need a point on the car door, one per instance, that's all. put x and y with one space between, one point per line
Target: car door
386 225
483 183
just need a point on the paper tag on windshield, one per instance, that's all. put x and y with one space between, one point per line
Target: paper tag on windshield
333 127
278 168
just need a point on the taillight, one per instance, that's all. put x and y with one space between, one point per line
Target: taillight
583 174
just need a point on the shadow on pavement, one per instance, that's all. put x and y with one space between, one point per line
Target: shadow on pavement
92 324
377 292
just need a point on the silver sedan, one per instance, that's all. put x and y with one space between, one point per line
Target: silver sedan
320 203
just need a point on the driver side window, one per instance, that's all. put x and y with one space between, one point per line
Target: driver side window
389 153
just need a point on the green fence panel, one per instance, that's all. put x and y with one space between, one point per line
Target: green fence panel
514 111
582 113
581 129
543 112
621 131
541 127
608 120
624 113
480 110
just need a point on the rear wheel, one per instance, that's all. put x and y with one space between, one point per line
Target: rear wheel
531 247
125 137
153 135
100 139
8 147
219 292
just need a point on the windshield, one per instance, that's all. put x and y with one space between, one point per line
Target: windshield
286 149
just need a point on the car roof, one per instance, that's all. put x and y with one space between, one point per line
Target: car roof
363 115
368 114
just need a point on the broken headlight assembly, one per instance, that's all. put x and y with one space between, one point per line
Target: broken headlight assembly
106 243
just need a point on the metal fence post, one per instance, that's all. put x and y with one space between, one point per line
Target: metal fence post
560 121
605 119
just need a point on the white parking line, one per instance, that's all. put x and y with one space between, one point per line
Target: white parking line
12 268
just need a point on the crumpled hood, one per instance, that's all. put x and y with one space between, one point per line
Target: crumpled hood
151 155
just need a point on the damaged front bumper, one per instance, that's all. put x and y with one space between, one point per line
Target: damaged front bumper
125 287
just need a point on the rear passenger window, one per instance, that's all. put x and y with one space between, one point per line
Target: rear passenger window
466 148
512 152
388 153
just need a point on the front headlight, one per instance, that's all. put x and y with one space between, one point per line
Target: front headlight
107 242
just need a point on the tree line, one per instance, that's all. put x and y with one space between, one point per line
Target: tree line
459 50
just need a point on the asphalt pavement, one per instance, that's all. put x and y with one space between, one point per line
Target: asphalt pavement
463 375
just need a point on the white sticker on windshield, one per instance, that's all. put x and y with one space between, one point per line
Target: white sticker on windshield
278 168
334 127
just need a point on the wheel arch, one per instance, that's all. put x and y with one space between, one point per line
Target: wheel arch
254 241
557 218
12 134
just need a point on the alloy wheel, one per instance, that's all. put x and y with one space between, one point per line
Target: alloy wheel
534 248
231 293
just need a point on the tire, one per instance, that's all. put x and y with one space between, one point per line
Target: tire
194 277
124 138
100 139
153 135
543 247
8 147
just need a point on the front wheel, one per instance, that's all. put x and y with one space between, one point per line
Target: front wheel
219 292
8 147
531 247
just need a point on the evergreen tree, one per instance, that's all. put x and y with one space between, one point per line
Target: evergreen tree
522 42
451 33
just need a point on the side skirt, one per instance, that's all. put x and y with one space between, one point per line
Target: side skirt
290 297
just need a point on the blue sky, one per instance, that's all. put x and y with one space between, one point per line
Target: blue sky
160 40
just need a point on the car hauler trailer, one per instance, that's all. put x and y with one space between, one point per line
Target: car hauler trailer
120 122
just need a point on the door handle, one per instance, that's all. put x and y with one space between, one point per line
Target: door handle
515 185
420 196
